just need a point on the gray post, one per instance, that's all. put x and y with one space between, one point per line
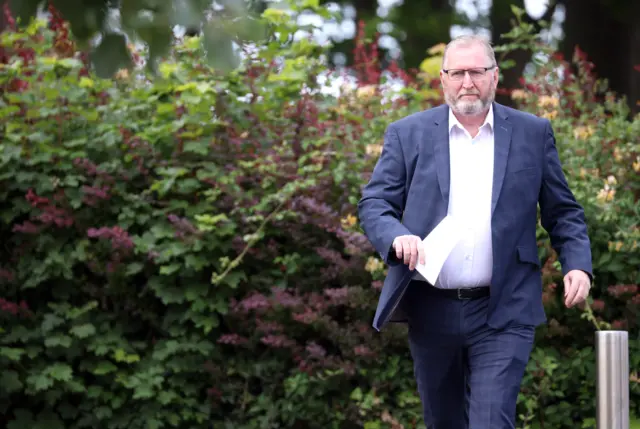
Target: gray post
612 380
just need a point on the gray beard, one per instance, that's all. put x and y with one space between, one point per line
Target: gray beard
469 108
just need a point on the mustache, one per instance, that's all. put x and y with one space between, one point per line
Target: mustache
468 93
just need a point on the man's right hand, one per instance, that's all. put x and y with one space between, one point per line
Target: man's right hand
409 249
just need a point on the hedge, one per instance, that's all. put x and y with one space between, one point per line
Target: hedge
183 251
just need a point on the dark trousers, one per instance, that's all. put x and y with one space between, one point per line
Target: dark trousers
468 374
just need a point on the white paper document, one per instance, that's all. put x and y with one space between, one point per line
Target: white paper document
437 247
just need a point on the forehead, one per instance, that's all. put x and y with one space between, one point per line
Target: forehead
467 56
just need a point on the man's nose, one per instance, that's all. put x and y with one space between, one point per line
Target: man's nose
466 80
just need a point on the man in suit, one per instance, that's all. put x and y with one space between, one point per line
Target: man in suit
487 166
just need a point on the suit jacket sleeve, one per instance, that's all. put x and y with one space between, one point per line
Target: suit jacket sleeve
383 198
561 215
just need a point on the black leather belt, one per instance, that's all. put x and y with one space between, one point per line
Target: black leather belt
459 294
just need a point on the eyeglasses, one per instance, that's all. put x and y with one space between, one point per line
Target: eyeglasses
475 73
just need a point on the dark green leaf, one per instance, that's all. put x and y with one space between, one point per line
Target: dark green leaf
48 420
11 353
10 381
23 419
50 322
104 367
60 372
58 341
40 381
83 331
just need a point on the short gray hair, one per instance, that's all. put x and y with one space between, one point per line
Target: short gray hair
472 39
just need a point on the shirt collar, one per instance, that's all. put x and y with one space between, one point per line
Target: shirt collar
488 120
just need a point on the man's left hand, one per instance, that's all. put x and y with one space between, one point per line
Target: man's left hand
576 287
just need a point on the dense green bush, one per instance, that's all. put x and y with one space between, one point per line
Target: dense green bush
184 252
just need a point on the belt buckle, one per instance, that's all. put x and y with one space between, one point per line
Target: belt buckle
461 296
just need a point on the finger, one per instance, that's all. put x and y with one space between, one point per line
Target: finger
572 292
406 248
421 253
414 255
398 246
583 292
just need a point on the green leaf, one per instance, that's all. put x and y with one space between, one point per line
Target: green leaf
166 270
200 147
60 372
121 356
156 424
48 420
111 55
11 353
83 331
134 268
234 278
313 4
76 312
10 381
50 322
40 382
104 367
23 419
58 341
517 11
143 392
103 413
94 391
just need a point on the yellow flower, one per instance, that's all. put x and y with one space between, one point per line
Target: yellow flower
619 245
550 115
366 92
548 101
519 94
374 149
348 221
606 194
636 165
373 265
583 133
617 155
122 74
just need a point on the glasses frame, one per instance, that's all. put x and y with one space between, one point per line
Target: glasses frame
467 71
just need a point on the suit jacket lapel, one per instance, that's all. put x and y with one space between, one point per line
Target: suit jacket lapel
502 143
441 153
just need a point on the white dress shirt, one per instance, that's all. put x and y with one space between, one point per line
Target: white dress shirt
471 180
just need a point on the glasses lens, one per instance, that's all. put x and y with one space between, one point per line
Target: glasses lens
474 74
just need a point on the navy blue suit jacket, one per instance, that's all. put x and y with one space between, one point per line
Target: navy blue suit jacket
409 194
